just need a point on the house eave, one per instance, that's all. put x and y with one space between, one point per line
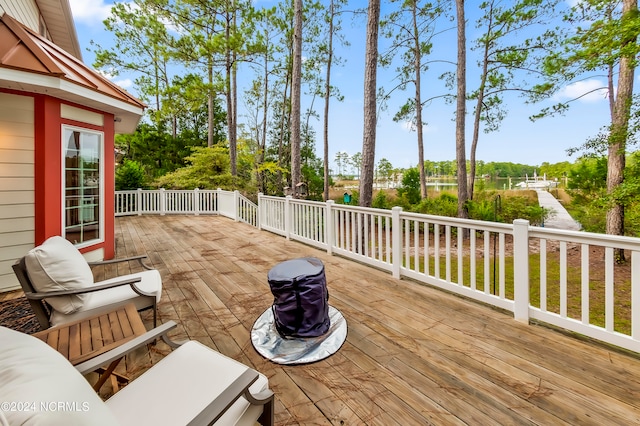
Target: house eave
126 115
59 20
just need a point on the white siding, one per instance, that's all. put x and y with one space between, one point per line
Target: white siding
17 211
24 11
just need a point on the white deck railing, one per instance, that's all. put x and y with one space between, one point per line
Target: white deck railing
536 273
225 203
493 267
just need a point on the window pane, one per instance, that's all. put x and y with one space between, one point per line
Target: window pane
82 185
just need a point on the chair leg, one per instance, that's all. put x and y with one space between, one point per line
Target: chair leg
267 416
107 372
155 313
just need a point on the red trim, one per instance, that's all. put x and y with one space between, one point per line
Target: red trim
109 186
49 168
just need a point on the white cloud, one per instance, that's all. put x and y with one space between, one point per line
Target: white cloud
90 12
587 91
106 74
124 83
408 126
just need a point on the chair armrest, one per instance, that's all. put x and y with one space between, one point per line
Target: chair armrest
131 345
240 387
139 258
129 281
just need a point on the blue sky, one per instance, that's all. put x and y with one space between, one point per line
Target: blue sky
518 140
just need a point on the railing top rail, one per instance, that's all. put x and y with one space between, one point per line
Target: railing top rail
371 210
581 237
465 223
247 201
270 197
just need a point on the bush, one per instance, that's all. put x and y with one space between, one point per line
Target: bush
521 208
410 188
129 175
208 169
445 205
380 201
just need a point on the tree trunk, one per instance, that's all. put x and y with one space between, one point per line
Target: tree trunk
210 106
234 101
295 96
263 140
476 118
327 96
461 81
370 87
619 131
231 125
418 101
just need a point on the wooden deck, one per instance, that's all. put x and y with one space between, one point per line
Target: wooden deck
413 355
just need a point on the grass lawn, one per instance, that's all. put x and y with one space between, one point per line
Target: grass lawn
622 285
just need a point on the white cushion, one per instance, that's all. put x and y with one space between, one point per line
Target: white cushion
181 385
57 265
107 300
38 386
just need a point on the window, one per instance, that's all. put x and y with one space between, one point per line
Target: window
82 185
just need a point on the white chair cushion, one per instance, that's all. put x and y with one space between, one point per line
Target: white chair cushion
57 265
38 386
107 300
202 371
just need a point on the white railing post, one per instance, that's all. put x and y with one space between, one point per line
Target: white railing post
236 205
196 201
396 242
287 217
521 270
139 201
635 295
163 201
258 211
218 191
328 226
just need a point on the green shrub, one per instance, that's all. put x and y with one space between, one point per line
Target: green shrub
208 168
445 205
129 175
410 188
380 201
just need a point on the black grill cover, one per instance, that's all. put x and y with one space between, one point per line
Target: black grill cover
300 305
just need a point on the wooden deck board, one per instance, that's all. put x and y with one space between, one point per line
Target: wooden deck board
414 355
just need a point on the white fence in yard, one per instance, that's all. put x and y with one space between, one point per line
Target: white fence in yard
569 279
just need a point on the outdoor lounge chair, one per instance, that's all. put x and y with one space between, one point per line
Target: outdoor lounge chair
193 385
58 282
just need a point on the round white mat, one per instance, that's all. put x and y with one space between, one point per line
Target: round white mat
297 350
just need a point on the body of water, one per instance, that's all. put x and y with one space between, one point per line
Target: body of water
447 184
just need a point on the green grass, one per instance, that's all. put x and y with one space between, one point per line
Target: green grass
622 293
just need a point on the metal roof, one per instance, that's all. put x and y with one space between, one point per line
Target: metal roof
29 62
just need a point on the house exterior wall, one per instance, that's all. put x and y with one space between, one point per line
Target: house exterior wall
51 114
17 187
24 11
31 193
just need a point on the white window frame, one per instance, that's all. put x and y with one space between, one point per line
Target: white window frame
101 218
